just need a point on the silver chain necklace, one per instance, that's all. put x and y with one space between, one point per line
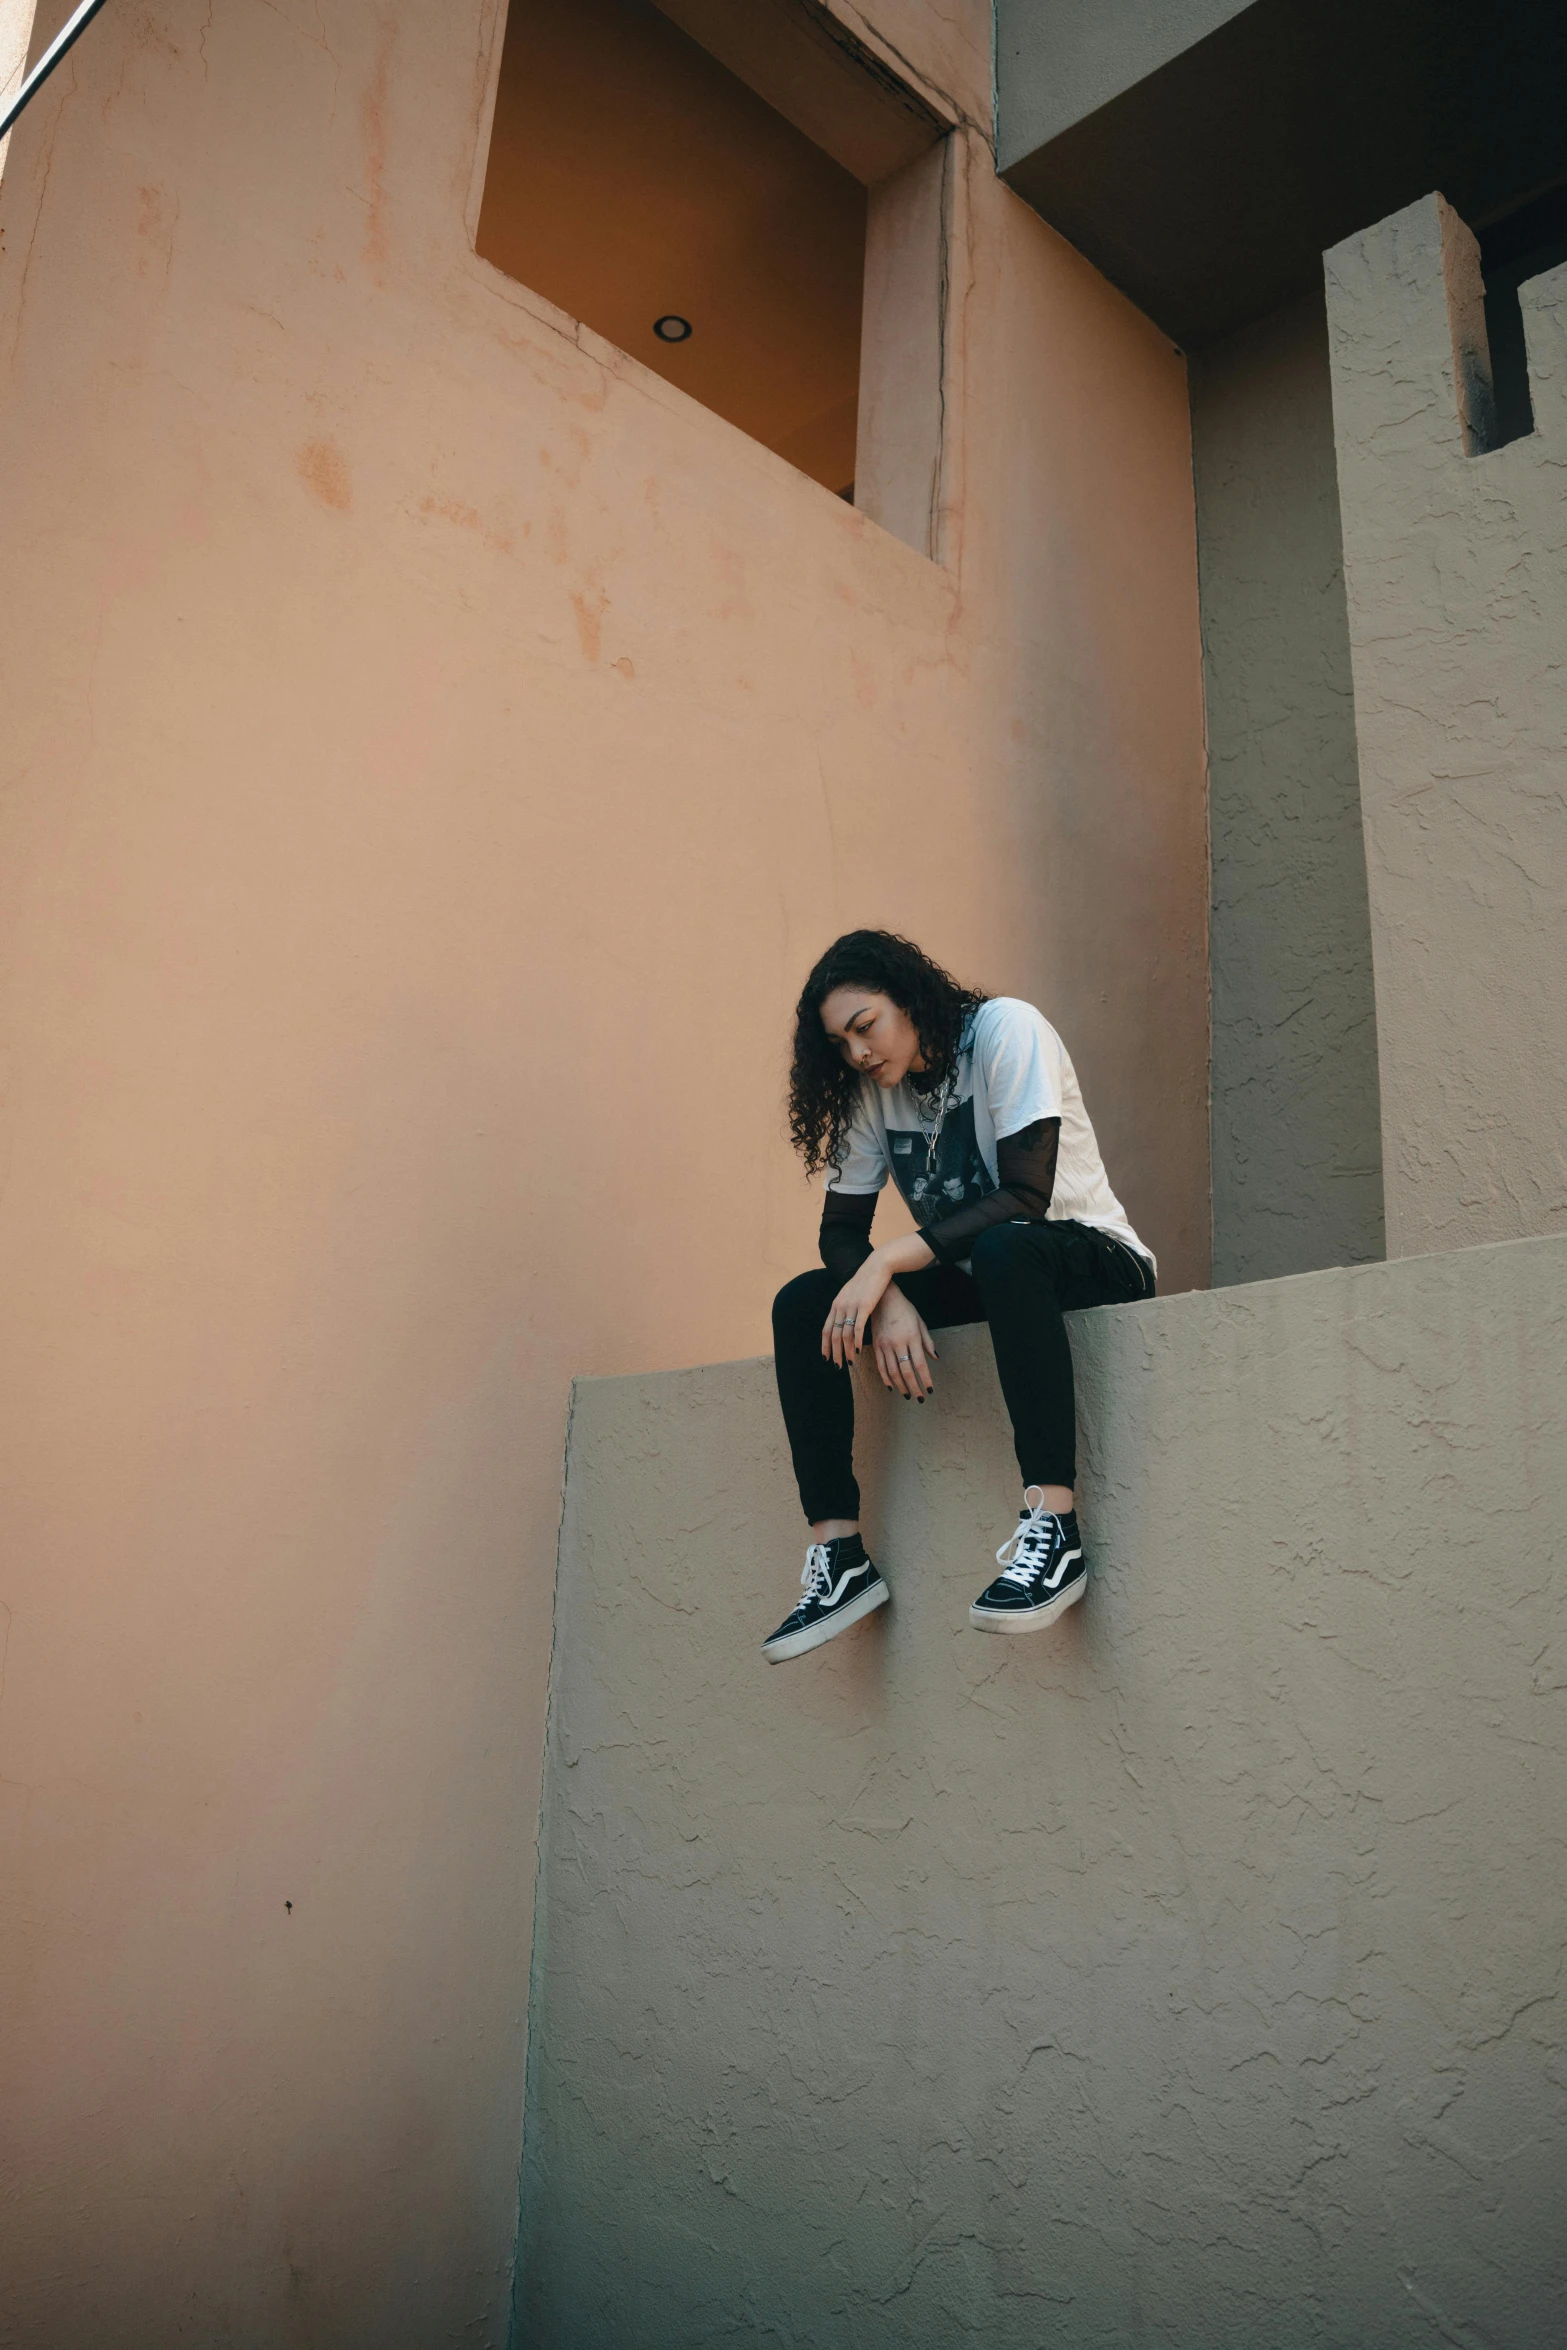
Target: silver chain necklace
943 1103
945 1094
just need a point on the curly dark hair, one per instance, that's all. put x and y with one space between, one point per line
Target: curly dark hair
823 1089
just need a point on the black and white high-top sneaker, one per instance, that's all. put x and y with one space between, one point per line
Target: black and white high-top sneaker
840 1584
1044 1573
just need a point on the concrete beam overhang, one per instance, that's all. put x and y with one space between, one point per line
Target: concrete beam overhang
820 76
1209 188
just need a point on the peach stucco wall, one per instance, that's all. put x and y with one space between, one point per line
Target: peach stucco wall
434 749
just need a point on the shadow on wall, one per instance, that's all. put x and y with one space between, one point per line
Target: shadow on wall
1297 1143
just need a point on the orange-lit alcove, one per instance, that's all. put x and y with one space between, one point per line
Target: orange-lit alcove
646 188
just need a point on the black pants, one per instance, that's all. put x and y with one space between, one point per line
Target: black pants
1026 1276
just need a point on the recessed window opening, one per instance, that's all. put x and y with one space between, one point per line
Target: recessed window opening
1523 245
740 193
642 186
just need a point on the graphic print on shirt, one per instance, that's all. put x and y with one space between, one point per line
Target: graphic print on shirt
935 1185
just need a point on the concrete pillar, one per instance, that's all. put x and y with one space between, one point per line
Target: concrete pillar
1456 575
903 349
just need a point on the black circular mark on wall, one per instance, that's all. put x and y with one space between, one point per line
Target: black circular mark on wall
670 329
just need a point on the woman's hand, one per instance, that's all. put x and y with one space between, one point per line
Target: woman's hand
848 1322
903 1345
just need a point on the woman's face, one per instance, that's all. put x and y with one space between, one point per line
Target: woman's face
875 1036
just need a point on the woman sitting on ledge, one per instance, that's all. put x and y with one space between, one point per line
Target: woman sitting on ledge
971 1103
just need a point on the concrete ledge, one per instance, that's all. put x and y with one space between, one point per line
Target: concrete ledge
1188 1975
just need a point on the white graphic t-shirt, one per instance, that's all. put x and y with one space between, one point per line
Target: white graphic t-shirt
1011 1069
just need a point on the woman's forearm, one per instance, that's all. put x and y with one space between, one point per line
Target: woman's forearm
907 1254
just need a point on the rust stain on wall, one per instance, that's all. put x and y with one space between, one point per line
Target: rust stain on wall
467 518
324 469
589 604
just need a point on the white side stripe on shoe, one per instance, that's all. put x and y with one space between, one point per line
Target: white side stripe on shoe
1025 1551
817 1582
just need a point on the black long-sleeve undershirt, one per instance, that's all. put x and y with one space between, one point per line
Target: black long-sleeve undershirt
845 1236
1026 1164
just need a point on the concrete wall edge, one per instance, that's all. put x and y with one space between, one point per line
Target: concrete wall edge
1219 1303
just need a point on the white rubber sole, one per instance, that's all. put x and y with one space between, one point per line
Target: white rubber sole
777 1652
985 1620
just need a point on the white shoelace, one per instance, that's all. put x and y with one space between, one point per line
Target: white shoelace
1026 1551
817 1578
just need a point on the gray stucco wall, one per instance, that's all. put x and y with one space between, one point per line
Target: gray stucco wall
1297 1148
1456 570
1057 60
1188 1975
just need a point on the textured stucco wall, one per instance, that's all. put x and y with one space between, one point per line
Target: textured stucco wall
1189 1975
1056 60
1297 1143
434 750
1456 570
